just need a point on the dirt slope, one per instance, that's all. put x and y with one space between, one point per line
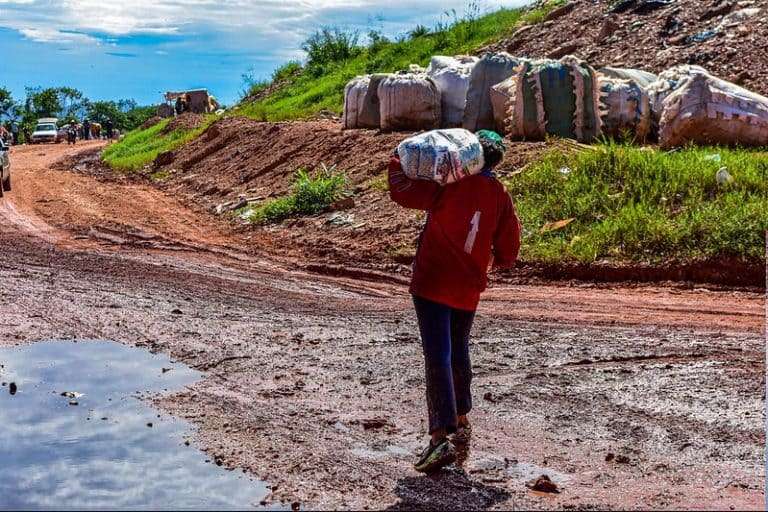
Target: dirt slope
242 158
656 39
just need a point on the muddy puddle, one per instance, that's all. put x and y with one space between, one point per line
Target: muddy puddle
75 434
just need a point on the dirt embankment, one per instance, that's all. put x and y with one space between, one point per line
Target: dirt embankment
656 36
238 159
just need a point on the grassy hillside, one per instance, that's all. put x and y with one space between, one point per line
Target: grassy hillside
627 203
141 147
319 85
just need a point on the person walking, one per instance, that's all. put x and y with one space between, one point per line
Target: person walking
86 129
110 128
471 225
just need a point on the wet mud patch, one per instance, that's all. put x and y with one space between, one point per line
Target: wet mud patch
77 435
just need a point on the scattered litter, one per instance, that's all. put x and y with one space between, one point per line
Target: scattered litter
12 388
565 171
554 226
341 219
73 402
737 18
723 176
72 394
715 157
706 35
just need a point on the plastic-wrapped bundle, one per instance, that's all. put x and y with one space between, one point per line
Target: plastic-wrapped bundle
354 102
549 97
493 68
444 156
451 75
668 82
640 77
625 108
361 102
409 102
708 110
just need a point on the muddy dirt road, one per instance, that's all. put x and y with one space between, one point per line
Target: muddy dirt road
627 397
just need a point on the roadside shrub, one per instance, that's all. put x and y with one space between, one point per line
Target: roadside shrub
286 71
377 41
310 195
418 31
331 45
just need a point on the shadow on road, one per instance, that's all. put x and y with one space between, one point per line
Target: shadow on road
446 490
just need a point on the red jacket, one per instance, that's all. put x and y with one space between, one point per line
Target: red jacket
467 222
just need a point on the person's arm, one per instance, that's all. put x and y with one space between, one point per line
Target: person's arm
415 194
506 240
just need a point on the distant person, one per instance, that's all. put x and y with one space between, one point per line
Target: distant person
182 104
72 132
470 225
109 128
15 132
86 129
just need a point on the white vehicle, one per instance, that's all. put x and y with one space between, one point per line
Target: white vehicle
46 131
5 169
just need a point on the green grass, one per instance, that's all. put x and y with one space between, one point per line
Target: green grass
310 195
141 147
638 204
321 87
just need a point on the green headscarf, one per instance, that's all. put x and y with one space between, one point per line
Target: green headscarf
494 138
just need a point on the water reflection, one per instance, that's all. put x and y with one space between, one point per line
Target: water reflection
100 453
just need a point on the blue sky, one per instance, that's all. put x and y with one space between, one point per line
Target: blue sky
112 49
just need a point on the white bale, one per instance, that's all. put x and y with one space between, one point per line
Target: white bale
624 107
439 62
493 68
451 75
444 156
548 97
669 81
708 110
409 102
354 102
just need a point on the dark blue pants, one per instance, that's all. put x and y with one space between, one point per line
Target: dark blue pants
445 339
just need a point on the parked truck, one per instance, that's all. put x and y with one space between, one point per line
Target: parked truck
47 130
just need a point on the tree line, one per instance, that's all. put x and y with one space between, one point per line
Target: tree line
68 104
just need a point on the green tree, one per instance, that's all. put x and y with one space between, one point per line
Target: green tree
7 104
42 102
73 103
100 111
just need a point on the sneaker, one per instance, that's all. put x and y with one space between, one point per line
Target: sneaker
462 436
435 457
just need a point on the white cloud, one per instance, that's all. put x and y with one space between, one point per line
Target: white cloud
46 20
